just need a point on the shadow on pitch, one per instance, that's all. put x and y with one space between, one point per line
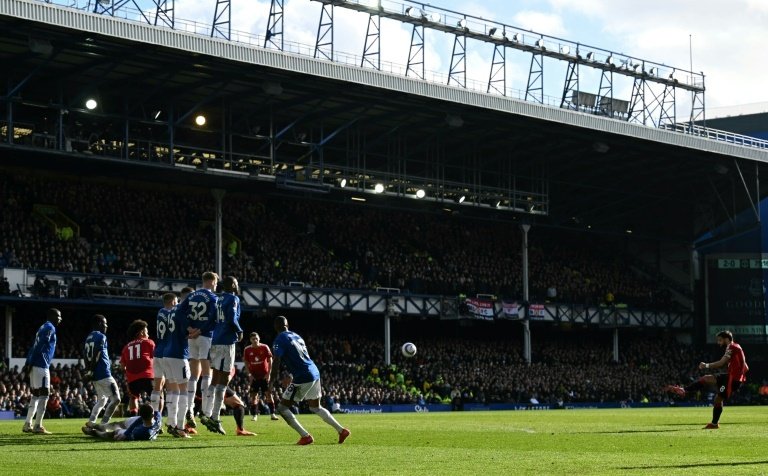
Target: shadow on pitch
619 432
699 465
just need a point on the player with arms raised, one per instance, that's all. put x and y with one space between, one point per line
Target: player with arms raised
226 334
136 360
289 348
727 383
99 367
258 363
38 364
199 309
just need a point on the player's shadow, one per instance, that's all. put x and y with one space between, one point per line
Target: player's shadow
29 440
698 465
698 423
132 446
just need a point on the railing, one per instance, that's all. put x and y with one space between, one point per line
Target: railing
718 135
258 41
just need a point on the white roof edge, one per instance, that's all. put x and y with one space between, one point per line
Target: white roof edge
140 32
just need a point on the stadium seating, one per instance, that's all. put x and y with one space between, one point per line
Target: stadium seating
165 232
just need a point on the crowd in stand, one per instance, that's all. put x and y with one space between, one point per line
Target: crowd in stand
167 233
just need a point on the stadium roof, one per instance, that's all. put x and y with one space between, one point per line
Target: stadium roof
602 173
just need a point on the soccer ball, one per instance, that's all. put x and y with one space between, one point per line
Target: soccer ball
408 349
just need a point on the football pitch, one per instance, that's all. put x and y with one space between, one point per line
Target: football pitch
647 441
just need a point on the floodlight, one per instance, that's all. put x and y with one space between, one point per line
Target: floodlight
590 56
343 183
378 188
420 193
540 44
609 60
564 49
462 198
200 120
157 114
492 31
462 23
654 71
433 17
498 204
413 12
516 37
91 104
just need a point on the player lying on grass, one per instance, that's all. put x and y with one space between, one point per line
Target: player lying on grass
726 384
142 427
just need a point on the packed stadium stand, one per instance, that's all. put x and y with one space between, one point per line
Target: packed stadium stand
165 232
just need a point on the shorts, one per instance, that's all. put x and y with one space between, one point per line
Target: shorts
260 385
725 390
222 357
39 378
177 370
106 387
142 385
159 365
297 392
199 348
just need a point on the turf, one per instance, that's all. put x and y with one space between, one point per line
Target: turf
649 441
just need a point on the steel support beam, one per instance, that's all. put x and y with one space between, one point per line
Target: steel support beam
274 35
497 81
571 87
372 48
457 74
222 20
535 89
324 42
416 53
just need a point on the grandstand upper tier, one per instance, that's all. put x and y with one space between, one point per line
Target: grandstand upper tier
306 123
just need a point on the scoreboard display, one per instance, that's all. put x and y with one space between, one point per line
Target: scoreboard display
736 296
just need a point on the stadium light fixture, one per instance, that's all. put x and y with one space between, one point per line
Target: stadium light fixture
629 232
200 120
609 60
462 198
157 114
433 17
590 56
413 12
378 188
343 183
540 44
564 49
498 204
516 37
91 104
462 24
492 31
654 71
358 199
420 193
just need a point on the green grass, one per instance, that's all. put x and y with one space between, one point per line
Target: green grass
651 441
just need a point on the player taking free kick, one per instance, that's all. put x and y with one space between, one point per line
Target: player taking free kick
726 384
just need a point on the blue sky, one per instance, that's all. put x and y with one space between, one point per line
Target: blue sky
729 37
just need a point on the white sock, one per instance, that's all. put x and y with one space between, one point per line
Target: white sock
154 399
183 406
206 392
290 418
112 404
191 390
97 408
218 397
172 403
41 403
327 417
31 409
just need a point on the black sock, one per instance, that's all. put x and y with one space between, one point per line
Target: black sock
238 413
717 410
272 407
253 409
